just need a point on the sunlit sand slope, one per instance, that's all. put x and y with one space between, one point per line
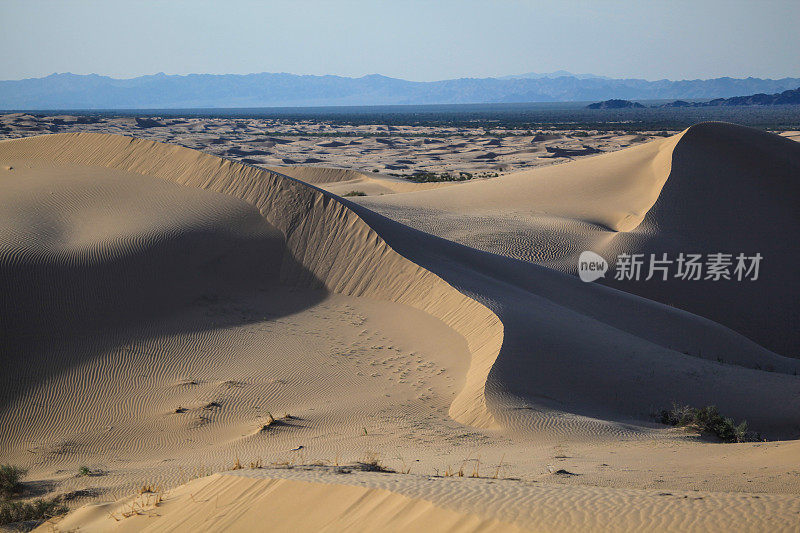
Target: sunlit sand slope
250 501
715 188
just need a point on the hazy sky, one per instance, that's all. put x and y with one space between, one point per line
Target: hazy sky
416 40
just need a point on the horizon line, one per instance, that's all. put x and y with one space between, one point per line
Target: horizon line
504 77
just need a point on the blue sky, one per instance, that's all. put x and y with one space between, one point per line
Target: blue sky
416 40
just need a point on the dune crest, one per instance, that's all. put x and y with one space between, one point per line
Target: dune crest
327 244
713 188
342 181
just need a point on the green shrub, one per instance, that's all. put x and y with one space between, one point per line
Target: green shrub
431 177
11 512
706 419
10 480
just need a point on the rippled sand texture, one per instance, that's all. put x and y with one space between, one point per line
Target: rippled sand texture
172 313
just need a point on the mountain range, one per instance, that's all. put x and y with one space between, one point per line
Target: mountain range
790 97
162 91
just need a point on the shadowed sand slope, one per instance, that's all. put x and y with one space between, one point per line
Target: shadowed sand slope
85 247
732 190
326 243
715 188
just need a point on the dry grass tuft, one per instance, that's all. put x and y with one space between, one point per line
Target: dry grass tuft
371 463
499 466
276 422
149 498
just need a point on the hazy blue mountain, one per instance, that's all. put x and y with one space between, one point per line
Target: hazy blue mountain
556 74
71 91
790 97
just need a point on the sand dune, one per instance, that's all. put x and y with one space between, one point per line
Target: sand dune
170 306
355 261
247 502
342 181
715 188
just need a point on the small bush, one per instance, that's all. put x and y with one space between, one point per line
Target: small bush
11 512
433 177
355 193
371 463
706 419
10 480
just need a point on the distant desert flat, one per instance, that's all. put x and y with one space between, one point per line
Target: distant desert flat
229 347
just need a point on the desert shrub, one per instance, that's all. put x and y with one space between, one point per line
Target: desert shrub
430 177
371 463
355 193
14 511
10 480
706 419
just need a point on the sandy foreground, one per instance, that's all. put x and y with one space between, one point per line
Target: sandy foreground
224 347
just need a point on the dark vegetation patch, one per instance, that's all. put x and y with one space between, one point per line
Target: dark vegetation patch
708 420
27 514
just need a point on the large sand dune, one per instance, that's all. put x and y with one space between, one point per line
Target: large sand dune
715 188
166 304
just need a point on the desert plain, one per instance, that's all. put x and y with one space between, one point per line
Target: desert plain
243 324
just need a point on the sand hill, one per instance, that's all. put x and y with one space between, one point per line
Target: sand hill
173 311
715 188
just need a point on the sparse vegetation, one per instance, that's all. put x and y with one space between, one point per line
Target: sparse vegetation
476 469
707 420
148 489
39 510
499 467
84 471
273 422
371 463
21 511
432 177
355 193
148 499
10 480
